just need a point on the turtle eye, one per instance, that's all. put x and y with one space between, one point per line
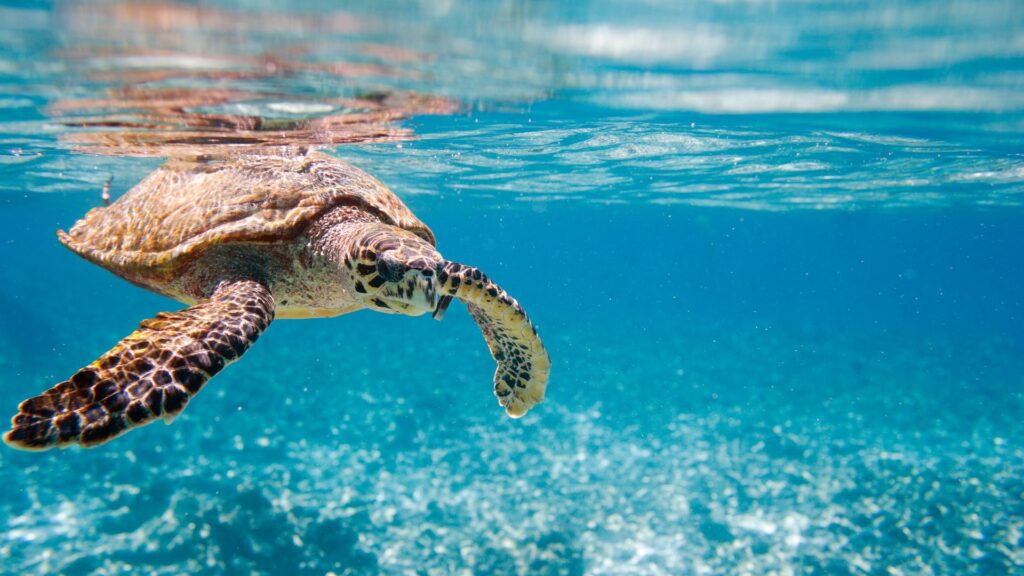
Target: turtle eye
390 268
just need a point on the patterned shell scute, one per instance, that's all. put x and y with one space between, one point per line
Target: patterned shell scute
186 206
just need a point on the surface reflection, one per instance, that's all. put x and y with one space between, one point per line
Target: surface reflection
674 102
177 80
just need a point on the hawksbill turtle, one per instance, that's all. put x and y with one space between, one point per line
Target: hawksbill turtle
245 240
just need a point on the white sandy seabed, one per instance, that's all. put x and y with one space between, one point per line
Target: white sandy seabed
742 455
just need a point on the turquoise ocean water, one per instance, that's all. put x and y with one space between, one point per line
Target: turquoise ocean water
775 250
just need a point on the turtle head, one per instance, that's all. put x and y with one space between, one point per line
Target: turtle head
395 271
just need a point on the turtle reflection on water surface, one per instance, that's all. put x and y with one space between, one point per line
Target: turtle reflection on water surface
242 241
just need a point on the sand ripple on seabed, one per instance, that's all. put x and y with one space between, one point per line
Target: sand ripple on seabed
824 467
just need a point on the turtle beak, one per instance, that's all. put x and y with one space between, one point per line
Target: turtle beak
442 306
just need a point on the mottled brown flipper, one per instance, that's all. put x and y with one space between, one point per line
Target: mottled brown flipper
523 363
150 374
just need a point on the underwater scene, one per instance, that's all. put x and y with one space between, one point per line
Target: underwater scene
771 254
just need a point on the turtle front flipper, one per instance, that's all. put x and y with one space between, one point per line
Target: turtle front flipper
150 374
523 363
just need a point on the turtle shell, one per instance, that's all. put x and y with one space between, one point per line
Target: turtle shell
188 205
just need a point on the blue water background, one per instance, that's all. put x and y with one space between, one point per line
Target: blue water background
777 265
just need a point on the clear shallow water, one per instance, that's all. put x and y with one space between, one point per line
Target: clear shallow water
775 259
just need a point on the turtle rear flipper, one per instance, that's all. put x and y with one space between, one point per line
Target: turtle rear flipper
152 373
523 364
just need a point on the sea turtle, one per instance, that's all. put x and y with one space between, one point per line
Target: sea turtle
245 240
